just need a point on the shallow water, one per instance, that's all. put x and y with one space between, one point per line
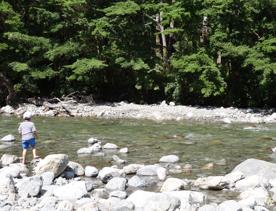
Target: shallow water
196 143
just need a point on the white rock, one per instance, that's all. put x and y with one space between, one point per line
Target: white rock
211 182
132 168
47 203
259 195
76 167
91 206
8 159
260 208
8 138
140 181
148 170
251 182
229 205
115 204
7 109
91 171
163 103
55 163
173 184
110 146
85 150
6 184
161 173
108 173
116 183
72 191
172 103
233 177
261 168
65 206
169 159
190 200
124 150
118 194
30 187
47 178
227 120
92 140
161 201
208 207
118 160
139 198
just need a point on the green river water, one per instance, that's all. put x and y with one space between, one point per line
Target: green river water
196 143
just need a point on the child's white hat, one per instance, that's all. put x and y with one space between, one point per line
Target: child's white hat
27 115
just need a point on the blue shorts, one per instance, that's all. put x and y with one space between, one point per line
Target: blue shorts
26 144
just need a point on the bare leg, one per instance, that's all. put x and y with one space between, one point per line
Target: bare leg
34 153
24 153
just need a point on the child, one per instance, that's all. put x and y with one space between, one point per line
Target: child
28 135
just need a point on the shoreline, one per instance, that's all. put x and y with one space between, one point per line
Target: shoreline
156 112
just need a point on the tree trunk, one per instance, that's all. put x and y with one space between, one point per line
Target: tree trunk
4 81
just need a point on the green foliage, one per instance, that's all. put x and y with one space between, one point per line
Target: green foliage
84 66
141 51
199 75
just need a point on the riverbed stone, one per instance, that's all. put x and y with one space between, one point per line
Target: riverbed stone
261 168
161 173
118 194
115 204
100 193
47 178
8 138
9 170
139 198
7 109
77 168
47 203
85 150
55 163
148 170
231 178
124 150
116 183
110 146
8 159
190 200
132 168
260 208
161 202
173 184
65 206
97 147
211 182
92 140
229 205
251 182
169 159
259 195
91 206
6 184
30 186
91 171
72 191
208 207
108 173
142 181
118 160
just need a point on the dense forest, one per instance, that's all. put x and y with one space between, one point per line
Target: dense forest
195 52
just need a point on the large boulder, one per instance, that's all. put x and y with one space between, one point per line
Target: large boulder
91 171
149 170
229 205
251 182
8 138
6 184
8 159
7 109
261 168
142 181
211 182
115 204
132 168
30 187
15 170
55 163
72 191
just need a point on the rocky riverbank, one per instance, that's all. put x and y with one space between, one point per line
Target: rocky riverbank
157 112
57 183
